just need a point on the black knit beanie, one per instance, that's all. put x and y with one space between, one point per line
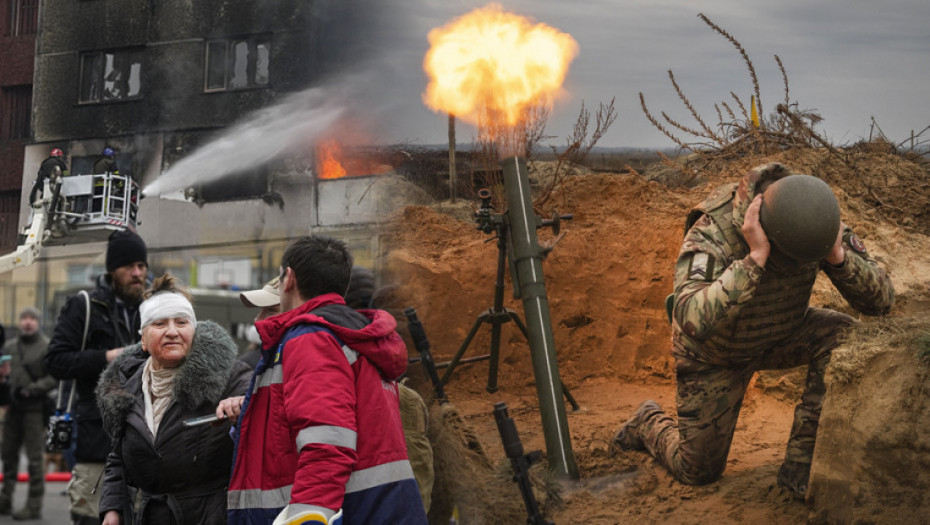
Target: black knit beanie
125 247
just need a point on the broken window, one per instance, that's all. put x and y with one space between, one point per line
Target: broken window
24 17
111 75
236 63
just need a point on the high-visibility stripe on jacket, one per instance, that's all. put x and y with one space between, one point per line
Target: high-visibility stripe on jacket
321 424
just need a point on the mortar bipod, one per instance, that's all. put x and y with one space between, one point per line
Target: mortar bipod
495 316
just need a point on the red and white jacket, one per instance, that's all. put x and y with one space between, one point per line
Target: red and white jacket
321 423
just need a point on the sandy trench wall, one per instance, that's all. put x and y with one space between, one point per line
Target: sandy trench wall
606 279
872 461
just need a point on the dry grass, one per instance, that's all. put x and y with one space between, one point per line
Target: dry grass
898 187
868 340
735 135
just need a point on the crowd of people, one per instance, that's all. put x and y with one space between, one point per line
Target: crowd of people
172 425
312 426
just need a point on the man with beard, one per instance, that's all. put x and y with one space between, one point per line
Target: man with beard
743 285
114 324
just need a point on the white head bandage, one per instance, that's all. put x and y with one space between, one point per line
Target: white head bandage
166 305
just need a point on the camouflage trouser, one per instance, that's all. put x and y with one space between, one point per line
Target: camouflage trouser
24 429
695 448
415 418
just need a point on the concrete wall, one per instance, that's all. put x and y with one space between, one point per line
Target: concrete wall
172 36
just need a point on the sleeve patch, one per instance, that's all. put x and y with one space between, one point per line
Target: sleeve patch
701 267
856 243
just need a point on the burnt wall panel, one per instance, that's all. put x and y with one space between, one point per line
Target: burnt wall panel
54 97
175 20
172 93
68 25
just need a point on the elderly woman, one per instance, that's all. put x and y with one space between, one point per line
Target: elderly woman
162 471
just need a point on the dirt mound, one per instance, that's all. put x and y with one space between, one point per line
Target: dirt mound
872 462
607 281
607 278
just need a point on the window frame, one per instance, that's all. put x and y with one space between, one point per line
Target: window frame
101 72
253 72
20 24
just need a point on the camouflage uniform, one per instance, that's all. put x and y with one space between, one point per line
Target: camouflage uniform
415 417
733 318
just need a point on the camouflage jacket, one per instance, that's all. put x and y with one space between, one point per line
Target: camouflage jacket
728 311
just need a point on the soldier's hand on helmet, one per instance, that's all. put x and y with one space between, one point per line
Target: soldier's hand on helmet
837 255
759 247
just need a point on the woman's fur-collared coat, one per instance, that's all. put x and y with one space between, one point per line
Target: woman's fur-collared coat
181 473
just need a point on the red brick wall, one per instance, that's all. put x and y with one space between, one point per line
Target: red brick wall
17 53
17 59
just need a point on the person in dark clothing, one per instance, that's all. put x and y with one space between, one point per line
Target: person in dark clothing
106 163
25 420
53 165
268 302
162 471
361 288
4 371
114 325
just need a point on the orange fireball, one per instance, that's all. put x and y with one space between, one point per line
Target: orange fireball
495 61
328 163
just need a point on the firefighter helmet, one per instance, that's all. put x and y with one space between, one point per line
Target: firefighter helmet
56 152
801 217
108 152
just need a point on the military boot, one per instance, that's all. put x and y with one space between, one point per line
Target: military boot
794 476
629 438
28 513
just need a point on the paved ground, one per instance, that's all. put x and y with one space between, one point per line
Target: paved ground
54 507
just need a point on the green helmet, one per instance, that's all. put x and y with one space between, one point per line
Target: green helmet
801 217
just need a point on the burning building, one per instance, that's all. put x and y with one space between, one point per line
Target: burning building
158 82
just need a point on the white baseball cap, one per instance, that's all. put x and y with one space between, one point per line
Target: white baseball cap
267 296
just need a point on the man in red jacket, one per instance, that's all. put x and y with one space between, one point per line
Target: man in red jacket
320 434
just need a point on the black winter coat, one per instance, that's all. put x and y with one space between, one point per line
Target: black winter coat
45 172
184 472
65 360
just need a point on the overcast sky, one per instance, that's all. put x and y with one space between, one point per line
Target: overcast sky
848 60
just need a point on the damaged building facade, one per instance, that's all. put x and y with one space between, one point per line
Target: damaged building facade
155 81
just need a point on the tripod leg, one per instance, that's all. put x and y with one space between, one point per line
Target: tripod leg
461 351
516 319
495 355
570 399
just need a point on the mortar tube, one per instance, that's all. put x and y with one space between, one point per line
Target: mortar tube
527 260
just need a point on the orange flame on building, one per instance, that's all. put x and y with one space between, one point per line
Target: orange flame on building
493 61
328 155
